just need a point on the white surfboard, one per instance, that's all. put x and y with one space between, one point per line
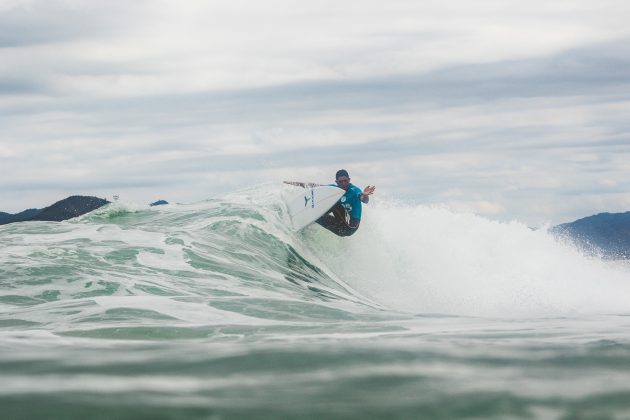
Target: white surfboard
310 204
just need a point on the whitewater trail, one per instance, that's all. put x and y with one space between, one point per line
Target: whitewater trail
424 259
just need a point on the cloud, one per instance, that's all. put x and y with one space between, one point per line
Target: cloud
26 23
117 48
521 108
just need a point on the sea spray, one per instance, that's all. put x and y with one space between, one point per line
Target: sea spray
424 259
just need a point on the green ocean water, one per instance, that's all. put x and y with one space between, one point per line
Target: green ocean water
216 310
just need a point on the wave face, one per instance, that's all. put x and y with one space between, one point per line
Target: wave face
218 309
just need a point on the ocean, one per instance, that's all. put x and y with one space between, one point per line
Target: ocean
216 310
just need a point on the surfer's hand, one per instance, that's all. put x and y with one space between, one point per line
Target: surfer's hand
365 195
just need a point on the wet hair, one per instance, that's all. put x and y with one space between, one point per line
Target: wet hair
341 172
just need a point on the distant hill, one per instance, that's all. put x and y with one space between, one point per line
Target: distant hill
18 217
605 234
158 203
65 209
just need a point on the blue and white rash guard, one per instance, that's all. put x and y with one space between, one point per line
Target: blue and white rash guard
351 201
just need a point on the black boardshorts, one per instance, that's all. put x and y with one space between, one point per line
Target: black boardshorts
337 222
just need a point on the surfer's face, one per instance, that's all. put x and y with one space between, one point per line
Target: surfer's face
343 182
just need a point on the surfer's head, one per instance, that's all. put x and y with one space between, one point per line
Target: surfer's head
342 179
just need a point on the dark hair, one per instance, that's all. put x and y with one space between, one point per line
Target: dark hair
341 172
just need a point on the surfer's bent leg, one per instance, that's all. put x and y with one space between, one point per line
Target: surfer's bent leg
336 222
352 227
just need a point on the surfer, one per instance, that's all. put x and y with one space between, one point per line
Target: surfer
344 218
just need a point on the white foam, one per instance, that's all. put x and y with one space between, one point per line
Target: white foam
432 260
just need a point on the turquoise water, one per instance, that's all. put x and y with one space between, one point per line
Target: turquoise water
216 311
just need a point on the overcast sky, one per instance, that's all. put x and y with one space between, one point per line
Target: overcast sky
508 109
